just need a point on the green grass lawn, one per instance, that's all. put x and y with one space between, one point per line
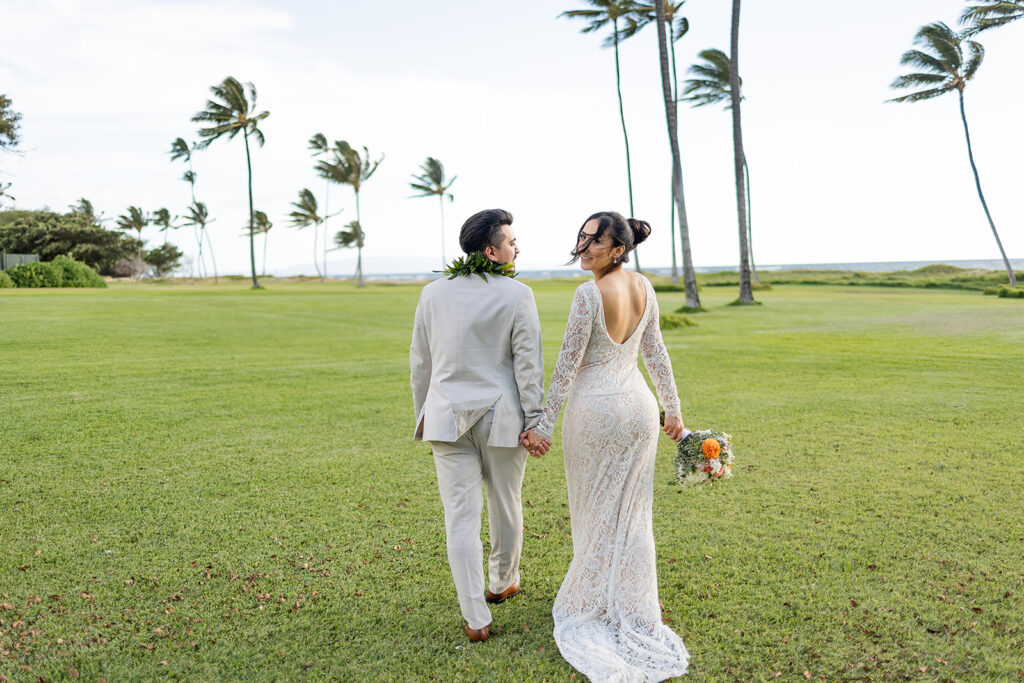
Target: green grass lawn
208 483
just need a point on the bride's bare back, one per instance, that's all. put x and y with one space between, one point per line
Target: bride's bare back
624 298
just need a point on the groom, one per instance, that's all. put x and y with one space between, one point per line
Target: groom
477 383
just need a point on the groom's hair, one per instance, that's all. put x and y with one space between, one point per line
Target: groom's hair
481 230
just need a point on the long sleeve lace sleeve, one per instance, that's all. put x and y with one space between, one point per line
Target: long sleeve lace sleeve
657 362
577 335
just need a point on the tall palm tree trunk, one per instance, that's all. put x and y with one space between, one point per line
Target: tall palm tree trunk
359 246
689 277
750 221
316 247
252 216
984 204
625 136
746 293
441 197
675 105
200 264
327 196
213 259
265 236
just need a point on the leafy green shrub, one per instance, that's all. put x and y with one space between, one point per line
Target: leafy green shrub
5 280
668 288
38 274
762 286
991 291
1007 293
674 321
77 274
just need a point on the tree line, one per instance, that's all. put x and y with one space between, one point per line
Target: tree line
946 60
716 79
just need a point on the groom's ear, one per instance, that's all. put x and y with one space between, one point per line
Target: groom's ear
489 252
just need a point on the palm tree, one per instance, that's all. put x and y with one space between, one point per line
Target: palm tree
83 207
318 145
180 150
235 113
647 14
263 226
945 68
136 219
746 292
689 276
351 236
306 213
991 14
432 182
163 218
347 167
710 85
614 12
199 217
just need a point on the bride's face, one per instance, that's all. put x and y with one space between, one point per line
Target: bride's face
600 254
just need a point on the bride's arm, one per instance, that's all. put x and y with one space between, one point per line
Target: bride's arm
577 334
657 362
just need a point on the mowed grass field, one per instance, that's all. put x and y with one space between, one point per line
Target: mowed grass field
212 483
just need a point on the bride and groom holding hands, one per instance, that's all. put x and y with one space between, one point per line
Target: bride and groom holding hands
477 382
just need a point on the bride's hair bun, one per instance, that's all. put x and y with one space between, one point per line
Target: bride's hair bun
641 230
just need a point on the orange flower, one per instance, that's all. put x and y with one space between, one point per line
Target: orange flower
711 448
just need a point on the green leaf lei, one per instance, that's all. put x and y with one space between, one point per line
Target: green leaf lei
479 264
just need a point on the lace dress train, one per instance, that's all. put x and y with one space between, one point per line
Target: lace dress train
607 615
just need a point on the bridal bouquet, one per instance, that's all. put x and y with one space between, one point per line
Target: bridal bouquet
703 457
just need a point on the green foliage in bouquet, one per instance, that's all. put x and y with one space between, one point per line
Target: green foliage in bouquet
703 457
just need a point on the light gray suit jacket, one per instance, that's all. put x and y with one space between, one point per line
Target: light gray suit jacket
476 345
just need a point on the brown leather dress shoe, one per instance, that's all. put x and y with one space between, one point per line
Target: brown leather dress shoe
478 635
504 595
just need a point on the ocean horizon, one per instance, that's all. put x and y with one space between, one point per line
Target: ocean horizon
863 266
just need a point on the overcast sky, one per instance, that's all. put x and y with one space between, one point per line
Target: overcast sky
522 107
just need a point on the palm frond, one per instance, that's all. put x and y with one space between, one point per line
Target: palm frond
135 219
922 95
198 214
712 83
975 55
432 180
318 144
306 210
941 58
943 40
260 223
923 60
180 150
351 236
991 14
162 217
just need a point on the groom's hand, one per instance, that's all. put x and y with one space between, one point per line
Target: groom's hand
674 428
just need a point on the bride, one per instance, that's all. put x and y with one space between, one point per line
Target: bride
607 615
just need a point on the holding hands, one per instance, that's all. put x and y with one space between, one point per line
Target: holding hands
533 443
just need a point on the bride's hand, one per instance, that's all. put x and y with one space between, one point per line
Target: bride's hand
674 428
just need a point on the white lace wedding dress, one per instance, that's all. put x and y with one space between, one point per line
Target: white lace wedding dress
607 615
